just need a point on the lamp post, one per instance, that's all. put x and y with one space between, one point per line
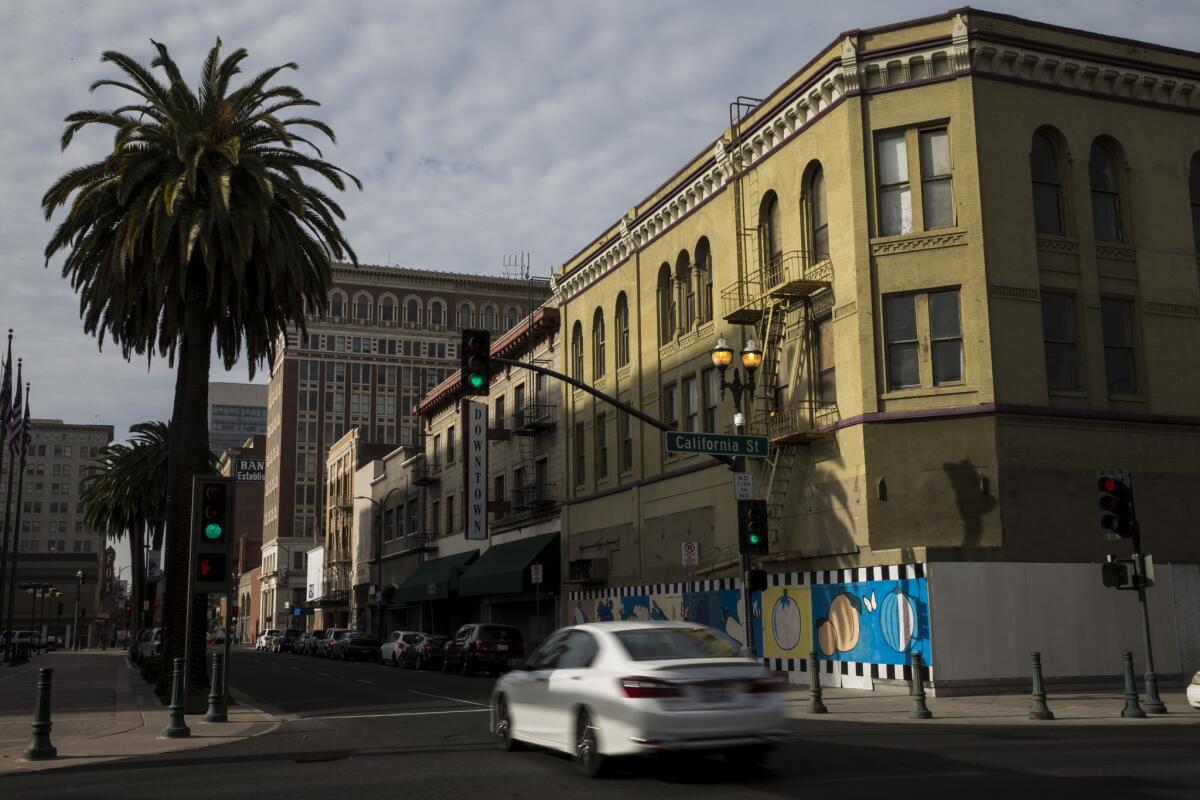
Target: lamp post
377 549
79 578
722 357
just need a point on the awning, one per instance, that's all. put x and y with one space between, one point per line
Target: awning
504 568
435 579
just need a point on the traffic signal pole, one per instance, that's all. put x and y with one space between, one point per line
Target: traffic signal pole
1153 704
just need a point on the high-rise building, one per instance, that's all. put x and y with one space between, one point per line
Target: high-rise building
236 411
60 457
388 335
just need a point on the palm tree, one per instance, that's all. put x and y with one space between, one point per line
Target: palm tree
197 225
127 492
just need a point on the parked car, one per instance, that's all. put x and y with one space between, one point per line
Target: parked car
1193 692
151 645
135 644
316 643
332 637
390 652
624 688
286 641
478 647
427 653
263 638
355 645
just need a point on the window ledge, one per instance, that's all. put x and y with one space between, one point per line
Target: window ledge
1128 398
927 391
1068 393
918 240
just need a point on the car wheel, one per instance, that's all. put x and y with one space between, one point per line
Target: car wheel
504 729
587 751
445 666
464 668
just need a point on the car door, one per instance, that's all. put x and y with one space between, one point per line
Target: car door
529 690
392 648
567 686
456 648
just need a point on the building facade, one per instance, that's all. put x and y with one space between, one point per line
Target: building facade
966 246
388 335
236 411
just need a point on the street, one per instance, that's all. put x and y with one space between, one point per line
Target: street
352 728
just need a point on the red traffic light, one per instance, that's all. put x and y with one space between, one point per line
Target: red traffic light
1116 503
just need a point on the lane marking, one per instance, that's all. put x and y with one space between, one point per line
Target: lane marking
296 668
455 699
360 680
406 714
323 674
897 776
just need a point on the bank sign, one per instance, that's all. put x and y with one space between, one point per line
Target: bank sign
475 463
249 470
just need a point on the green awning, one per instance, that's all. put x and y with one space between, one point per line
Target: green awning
435 579
504 568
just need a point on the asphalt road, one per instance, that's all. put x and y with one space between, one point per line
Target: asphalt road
359 730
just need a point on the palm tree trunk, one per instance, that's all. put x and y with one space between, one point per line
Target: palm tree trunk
137 537
188 457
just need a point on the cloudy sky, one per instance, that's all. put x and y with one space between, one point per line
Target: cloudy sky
478 128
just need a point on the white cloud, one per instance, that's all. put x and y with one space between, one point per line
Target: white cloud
478 128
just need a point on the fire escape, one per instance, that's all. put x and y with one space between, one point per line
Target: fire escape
780 296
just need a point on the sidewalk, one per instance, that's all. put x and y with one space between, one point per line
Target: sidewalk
1069 708
101 710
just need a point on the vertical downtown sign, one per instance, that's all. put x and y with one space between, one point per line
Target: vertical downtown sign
476 467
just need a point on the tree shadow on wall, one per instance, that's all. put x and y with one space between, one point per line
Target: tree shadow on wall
972 495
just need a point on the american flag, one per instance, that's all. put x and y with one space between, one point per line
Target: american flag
14 420
6 391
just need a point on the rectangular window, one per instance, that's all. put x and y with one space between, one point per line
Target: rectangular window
826 374
712 391
895 198
945 335
580 456
498 491
900 319
450 513
1120 365
519 398
435 519
450 445
437 446
625 426
1058 333
691 404
937 185
601 431
671 406
540 390
498 420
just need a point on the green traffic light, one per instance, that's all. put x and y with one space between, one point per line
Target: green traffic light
212 531
755 538
476 380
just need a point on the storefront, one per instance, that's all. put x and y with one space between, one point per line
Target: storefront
502 582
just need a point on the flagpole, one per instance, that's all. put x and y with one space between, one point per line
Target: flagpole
5 403
8 514
12 577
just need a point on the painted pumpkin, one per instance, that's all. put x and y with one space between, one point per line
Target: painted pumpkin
785 622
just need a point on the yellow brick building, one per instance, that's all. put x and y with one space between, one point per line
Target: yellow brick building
967 247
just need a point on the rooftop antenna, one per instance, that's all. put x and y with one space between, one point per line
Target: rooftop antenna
516 267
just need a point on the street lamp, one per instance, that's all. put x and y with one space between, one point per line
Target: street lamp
79 578
377 545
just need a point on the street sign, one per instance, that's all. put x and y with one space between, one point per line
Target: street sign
743 486
716 444
535 573
475 469
691 554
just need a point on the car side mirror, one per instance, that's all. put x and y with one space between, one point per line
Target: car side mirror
518 664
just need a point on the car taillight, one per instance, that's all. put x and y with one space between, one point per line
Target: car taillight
647 687
775 682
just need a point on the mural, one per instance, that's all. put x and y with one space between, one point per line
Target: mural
874 622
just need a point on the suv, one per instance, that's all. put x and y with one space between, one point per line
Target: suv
264 638
332 636
286 641
487 647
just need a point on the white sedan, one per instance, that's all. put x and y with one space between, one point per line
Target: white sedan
624 688
1193 692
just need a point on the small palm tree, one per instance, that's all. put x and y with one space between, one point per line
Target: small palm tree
197 226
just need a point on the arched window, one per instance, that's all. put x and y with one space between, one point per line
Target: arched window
489 317
818 219
362 306
387 309
704 275
769 230
622 318
1106 193
683 276
412 312
1047 185
514 316
598 343
1194 192
577 351
666 305
465 315
437 313
337 305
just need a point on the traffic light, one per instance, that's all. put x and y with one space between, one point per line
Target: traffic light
752 527
1116 503
212 520
128 613
475 363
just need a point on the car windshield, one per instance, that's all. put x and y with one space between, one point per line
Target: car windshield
412 637
666 644
498 632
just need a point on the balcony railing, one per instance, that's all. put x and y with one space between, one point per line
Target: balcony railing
801 421
426 473
790 276
534 496
533 418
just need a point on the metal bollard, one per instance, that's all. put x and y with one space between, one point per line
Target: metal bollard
1132 708
39 745
815 705
176 725
1038 709
216 694
919 709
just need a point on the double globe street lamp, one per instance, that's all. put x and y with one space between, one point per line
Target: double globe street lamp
752 357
